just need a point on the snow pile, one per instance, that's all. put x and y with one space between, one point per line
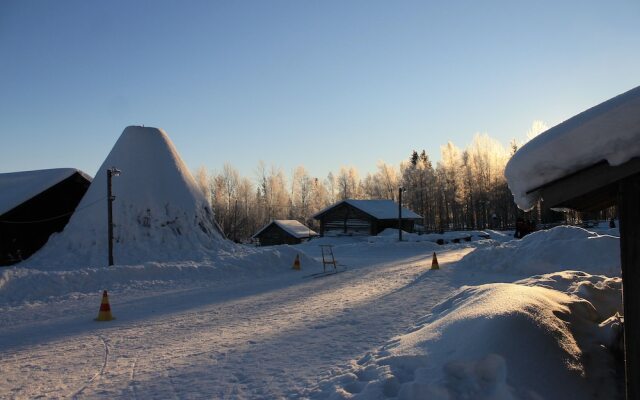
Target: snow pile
390 235
560 248
609 131
497 341
159 212
501 236
601 291
18 187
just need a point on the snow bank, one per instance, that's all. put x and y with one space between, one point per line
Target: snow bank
19 285
159 212
558 249
609 131
496 341
391 234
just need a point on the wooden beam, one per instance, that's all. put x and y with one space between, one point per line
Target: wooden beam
592 188
629 212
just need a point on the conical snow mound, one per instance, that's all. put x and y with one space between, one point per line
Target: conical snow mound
159 213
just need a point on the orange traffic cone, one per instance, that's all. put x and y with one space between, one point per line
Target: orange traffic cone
105 309
296 263
434 262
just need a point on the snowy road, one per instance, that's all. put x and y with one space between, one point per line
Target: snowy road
267 339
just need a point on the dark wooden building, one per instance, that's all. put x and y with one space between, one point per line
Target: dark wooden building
596 184
364 217
283 231
35 204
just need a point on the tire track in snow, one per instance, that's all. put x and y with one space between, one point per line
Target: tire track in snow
250 333
99 373
132 377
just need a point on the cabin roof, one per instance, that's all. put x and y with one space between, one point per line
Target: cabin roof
19 187
291 226
379 209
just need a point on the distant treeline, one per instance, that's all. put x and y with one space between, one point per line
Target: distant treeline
466 189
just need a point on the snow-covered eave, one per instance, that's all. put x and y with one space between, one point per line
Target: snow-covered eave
609 131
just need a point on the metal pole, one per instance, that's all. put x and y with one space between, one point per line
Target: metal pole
111 172
400 214
110 215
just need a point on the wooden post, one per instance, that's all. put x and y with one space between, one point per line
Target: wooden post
629 212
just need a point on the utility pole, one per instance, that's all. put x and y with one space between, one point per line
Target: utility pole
113 171
400 189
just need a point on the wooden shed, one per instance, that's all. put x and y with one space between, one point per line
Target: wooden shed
35 204
600 167
283 231
364 217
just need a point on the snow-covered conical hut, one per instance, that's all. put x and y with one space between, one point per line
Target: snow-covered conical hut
159 212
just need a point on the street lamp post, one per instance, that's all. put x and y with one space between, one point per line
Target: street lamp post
400 190
111 172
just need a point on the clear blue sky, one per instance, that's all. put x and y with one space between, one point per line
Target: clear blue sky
318 83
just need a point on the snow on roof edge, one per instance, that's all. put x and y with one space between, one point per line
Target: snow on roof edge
609 131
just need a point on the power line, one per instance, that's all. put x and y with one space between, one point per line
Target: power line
53 218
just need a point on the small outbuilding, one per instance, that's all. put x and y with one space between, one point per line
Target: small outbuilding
365 217
587 163
35 204
283 231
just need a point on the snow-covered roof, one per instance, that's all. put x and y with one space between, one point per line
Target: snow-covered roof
292 227
18 187
380 209
609 131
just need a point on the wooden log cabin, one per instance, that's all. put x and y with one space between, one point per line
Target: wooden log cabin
364 217
280 231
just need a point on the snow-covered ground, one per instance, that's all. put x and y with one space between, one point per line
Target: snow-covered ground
500 319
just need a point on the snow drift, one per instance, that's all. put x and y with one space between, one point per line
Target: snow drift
159 213
560 248
495 341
